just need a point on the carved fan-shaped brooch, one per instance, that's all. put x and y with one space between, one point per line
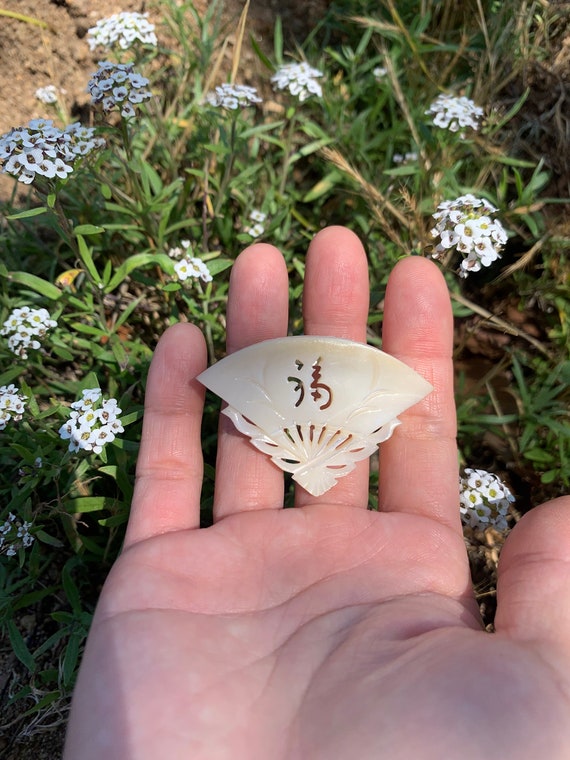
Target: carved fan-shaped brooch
315 405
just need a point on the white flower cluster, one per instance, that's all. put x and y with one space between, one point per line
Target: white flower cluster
12 405
256 229
92 422
233 96
188 265
484 500
123 29
299 78
455 113
117 85
14 534
24 326
465 224
47 94
42 149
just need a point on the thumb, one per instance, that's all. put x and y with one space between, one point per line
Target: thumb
533 589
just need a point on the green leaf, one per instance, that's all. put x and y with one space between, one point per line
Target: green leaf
260 54
151 180
322 187
119 351
550 476
121 443
512 112
87 259
35 283
278 41
61 352
133 262
539 456
511 161
110 469
114 521
215 266
402 171
309 148
45 538
128 419
29 213
26 600
69 586
71 657
85 504
88 229
11 374
33 407
128 311
88 329
19 647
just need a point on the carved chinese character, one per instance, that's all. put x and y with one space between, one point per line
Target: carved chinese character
317 387
299 385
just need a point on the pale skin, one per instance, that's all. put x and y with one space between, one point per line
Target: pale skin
327 631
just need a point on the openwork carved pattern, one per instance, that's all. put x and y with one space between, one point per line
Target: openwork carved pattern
316 406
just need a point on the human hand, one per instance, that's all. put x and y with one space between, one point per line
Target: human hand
327 631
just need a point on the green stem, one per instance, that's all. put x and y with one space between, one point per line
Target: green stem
228 168
66 226
205 302
138 192
288 153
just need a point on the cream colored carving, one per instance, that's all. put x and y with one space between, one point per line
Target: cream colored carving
315 405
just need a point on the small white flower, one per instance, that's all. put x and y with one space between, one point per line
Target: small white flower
484 500
404 158
257 216
92 422
465 224
299 78
184 249
47 94
233 96
192 267
455 113
122 29
255 231
379 73
12 405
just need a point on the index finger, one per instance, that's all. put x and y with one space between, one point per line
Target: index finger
169 466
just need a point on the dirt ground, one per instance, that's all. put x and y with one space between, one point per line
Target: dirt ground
33 56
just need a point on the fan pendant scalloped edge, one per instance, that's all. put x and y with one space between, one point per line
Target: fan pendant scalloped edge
315 405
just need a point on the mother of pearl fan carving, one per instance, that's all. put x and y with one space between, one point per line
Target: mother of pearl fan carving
315 405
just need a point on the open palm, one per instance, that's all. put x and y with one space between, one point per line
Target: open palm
324 631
